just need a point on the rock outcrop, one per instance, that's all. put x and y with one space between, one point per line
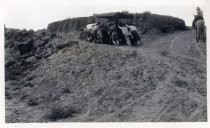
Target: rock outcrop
143 21
23 48
69 25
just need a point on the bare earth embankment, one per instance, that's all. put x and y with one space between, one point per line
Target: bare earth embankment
165 80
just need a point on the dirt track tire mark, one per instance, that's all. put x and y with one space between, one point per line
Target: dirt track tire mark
185 45
172 43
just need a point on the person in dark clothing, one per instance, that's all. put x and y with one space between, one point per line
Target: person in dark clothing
198 16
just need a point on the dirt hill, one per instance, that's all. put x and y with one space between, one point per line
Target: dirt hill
52 75
165 80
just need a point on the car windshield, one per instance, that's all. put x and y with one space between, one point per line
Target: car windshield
126 21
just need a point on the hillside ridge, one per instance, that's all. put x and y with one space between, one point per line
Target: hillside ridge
71 80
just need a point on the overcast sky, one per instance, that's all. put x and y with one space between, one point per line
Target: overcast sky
37 14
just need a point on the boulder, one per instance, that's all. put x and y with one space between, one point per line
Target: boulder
24 33
26 46
52 35
40 33
8 63
38 43
30 32
8 34
48 53
46 39
17 35
31 59
8 43
62 45
38 53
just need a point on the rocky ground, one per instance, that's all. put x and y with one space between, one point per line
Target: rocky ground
65 79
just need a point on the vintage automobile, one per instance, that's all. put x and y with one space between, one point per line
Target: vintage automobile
114 29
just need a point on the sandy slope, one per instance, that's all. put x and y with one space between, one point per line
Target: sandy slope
165 80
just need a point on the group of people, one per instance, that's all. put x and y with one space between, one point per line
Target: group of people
118 33
114 33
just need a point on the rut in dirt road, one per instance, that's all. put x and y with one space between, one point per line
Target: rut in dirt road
185 44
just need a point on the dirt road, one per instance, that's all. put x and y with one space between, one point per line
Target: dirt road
183 90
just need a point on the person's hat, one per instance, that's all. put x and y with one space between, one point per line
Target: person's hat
198 8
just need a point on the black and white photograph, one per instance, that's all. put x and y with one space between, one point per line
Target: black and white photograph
104 61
